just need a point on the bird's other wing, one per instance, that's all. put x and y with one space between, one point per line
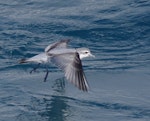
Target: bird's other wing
71 64
60 44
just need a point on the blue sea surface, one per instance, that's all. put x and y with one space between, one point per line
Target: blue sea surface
116 31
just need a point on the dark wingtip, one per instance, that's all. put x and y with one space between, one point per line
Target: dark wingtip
84 89
22 61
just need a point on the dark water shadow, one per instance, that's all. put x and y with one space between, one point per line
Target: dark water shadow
56 109
48 107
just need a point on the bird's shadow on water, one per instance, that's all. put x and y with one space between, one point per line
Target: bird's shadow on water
56 108
48 107
59 107
59 86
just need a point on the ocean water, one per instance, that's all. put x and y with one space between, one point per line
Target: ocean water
116 31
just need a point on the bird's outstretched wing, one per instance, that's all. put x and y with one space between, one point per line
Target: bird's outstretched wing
71 64
60 44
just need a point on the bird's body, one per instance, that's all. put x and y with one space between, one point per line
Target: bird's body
40 58
67 59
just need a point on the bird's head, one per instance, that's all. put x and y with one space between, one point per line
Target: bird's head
84 52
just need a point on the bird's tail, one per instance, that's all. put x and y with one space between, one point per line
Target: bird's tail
22 61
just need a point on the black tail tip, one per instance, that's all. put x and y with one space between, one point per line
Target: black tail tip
22 61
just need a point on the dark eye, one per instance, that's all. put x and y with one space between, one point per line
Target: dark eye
86 52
